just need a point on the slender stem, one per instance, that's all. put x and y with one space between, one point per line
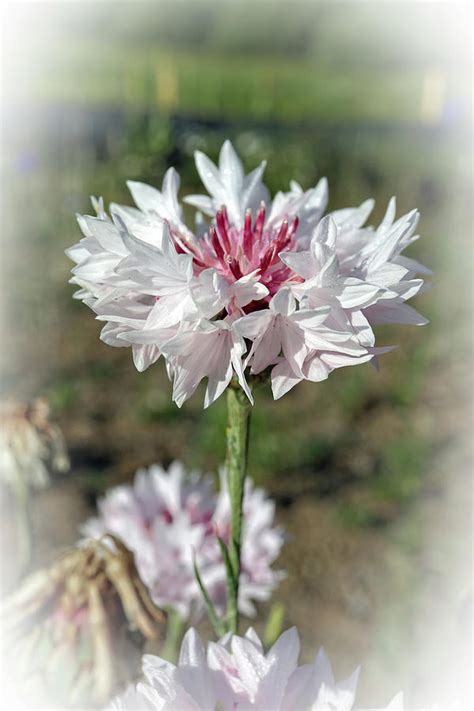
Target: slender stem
24 528
174 634
238 422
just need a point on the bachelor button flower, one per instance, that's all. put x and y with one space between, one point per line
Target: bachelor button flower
258 284
236 673
168 518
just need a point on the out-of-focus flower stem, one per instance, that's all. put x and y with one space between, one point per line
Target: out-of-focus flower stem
24 528
174 635
238 425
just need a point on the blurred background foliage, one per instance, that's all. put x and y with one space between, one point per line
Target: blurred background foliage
375 96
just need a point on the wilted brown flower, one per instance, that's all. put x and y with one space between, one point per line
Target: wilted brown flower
31 445
68 627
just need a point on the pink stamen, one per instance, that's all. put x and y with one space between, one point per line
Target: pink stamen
294 227
235 252
216 245
268 258
226 217
281 238
259 222
247 241
234 267
182 246
222 223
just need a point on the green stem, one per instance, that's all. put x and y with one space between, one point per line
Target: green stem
238 421
174 634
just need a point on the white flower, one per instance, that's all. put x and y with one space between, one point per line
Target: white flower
236 673
167 518
167 289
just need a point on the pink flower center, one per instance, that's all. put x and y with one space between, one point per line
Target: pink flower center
235 252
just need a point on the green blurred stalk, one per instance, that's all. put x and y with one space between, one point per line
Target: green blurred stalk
174 636
238 426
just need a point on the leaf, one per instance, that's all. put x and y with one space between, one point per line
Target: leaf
217 624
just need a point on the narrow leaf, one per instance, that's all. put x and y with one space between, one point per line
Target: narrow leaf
217 624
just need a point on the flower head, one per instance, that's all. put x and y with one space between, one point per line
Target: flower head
31 444
66 626
248 286
237 673
169 519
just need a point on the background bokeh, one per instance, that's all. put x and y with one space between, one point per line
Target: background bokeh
370 470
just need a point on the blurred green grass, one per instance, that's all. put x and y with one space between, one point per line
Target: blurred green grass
210 85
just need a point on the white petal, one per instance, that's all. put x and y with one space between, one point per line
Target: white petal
283 302
107 234
382 313
192 650
216 387
202 202
396 704
353 217
300 262
266 348
326 232
389 214
254 191
144 356
254 324
145 196
248 288
311 318
315 370
283 379
237 352
209 175
230 167
283 657
356 294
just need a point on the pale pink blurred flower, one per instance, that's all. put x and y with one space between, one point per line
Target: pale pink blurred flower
169 517
168 290
236 673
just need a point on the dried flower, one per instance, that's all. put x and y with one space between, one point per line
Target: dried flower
263 285
169 518
236 673
31 445
65 625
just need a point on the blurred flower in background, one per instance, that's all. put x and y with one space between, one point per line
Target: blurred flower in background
171 518
68 627
237 673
